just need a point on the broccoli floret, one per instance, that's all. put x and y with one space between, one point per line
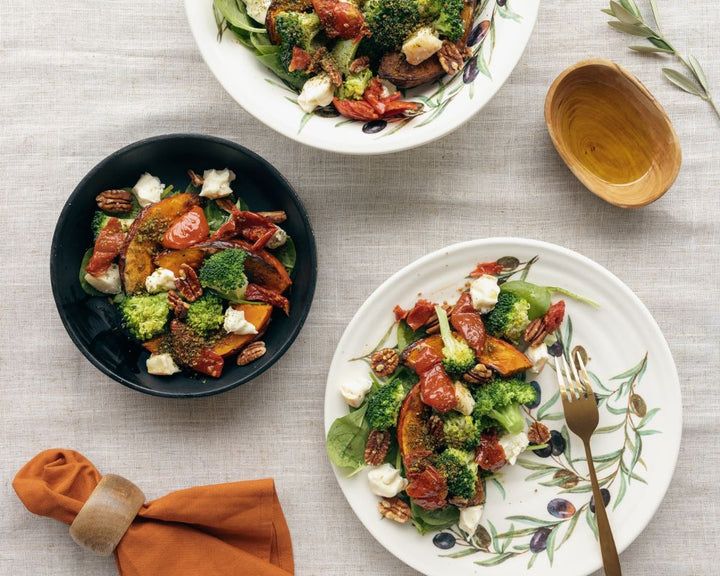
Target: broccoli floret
430 8
145 316
460 470
509 318
500 401
354 85
461 432
224 272
458 357
206 314
296 29
384 405
392 21
450 23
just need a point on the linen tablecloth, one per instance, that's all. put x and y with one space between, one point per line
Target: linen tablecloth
82 79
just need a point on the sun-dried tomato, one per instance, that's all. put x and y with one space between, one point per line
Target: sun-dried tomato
490 455
300 59
255 293
467 321
554 316
427 487
420 314
400 313
486 268
109 242
374 105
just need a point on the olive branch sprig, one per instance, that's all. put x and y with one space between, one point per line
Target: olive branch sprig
629 19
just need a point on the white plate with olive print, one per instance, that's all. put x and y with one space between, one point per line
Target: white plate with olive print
500 33
537 518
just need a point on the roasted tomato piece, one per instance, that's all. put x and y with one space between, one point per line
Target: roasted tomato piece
300 59
420 314
255 293
191 351
554 316
340 19
486 268
356 109
400 313
437 389
427 487
187 230
489 455
108 245
467 321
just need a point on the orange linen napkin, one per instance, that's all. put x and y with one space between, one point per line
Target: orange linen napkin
220 530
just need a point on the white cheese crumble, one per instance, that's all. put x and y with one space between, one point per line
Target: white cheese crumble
539 356
386 481
257 9
421 44
316 92
148 189
470 518
108 282
161 280
484 292
235 322
161 365
278 239
216 183
513 445
465 401
354 391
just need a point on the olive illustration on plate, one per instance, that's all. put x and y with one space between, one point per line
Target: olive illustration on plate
444 540
538 395
605 496
557 443
538 542
561 508
374 126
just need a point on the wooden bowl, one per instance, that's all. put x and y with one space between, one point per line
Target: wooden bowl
612 133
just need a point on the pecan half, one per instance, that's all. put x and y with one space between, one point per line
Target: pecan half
450 57
177 305
225 204
536 332
188 283
383 362
394 509
538 433
251 352
359 64
276 216
376 447
330 67
478 374
116 201
195 179
432 326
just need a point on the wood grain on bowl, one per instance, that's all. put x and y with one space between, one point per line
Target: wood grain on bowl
612 133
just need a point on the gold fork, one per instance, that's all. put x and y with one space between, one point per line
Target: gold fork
581 415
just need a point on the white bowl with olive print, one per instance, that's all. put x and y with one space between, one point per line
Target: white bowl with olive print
500 33
537 518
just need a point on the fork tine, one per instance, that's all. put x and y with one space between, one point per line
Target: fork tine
567 387
561 383
586 378
580 385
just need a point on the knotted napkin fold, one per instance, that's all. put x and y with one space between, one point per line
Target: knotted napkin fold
218 530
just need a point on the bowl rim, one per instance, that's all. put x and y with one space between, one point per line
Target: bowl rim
586 177
64 214
341 147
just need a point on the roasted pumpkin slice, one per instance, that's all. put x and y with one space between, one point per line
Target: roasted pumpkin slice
413 436
277 280
144 237
504 357
173 259
153 346
258 315
411 353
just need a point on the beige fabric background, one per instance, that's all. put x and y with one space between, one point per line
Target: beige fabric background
82 79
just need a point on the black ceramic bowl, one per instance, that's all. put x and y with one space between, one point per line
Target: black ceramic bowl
94 323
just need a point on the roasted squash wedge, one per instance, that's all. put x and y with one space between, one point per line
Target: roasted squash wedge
504 357
144 237
258 315
411 353
413 436
173 259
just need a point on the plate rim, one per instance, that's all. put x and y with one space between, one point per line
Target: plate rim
340 147
331 391
57 241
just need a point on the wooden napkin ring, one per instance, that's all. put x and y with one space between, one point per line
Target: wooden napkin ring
107 514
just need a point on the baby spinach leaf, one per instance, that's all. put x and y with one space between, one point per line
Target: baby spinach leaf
215 216
406 335
433 520
346 440
286 254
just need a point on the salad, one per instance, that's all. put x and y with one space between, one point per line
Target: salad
350 57
444 409
194 274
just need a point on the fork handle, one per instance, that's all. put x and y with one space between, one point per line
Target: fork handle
611 561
